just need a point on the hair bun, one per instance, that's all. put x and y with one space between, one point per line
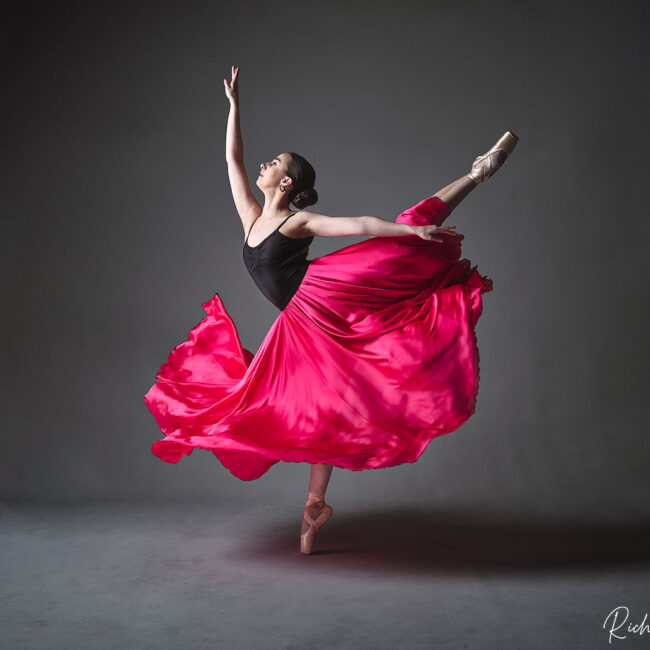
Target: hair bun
305 198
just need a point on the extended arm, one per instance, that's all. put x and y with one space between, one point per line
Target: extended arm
325 226
234 144
247 205
320 224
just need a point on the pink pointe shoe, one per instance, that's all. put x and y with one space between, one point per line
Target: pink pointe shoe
307 538
486 165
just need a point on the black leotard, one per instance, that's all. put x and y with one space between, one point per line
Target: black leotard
278 264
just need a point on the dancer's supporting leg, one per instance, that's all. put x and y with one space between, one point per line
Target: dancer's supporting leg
318 480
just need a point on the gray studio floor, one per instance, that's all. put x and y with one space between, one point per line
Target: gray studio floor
160 575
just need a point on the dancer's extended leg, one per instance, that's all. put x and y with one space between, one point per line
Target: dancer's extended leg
455 192
318 480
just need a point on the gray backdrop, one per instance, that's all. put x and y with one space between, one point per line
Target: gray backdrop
118 223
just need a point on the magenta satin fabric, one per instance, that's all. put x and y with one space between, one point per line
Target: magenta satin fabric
373 357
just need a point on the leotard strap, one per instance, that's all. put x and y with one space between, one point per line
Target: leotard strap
265 238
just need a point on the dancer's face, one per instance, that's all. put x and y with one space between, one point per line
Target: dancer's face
274 173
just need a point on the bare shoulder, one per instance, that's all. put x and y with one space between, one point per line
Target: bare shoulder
299 224
247 205
304 223
249 218
325 225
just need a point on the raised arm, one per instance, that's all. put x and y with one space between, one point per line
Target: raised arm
245 202
325 226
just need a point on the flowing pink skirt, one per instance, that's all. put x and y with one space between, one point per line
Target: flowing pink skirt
373 357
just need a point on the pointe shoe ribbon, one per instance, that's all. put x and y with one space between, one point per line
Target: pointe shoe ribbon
482 167
307 538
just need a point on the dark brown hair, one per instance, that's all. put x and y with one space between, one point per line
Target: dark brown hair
303 176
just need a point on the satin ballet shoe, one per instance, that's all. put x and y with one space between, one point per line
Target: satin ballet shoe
483 167
307 538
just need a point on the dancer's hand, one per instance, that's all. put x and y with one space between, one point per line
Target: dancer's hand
430 232
232 88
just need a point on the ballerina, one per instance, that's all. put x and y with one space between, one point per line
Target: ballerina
373 353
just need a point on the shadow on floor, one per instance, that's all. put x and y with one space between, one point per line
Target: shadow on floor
451 542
